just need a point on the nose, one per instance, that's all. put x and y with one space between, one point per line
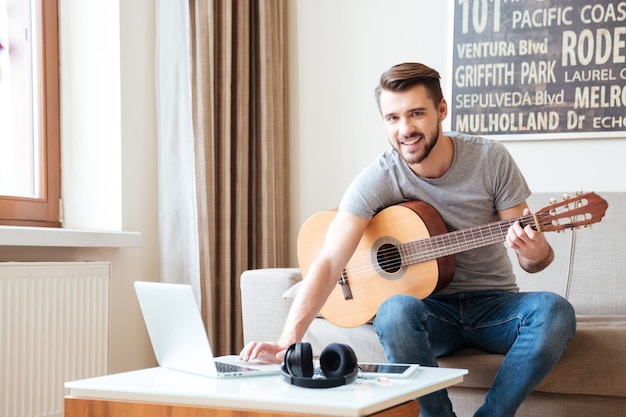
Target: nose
405 128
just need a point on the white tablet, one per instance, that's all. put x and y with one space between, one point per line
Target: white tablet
389 370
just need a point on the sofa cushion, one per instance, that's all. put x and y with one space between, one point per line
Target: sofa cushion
362 339
466 400
291 293
591 365
264 319
594 361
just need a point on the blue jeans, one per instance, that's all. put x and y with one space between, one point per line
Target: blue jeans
532 329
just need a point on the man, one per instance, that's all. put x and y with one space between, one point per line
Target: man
471 181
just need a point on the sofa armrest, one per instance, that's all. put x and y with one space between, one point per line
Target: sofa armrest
263 309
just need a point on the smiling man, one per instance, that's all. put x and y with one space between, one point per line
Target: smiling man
471 181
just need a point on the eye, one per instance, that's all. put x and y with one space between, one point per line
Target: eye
417 113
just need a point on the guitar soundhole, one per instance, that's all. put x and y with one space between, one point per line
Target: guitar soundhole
388 258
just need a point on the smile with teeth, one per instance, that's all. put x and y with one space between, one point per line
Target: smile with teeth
412 141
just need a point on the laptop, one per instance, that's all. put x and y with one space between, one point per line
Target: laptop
178 337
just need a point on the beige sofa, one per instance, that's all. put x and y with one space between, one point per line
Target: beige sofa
589 270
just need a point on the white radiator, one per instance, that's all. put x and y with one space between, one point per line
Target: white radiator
54 327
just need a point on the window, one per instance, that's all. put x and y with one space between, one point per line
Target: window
30 185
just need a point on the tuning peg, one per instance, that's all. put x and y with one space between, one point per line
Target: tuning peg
579 192
566 197
553 201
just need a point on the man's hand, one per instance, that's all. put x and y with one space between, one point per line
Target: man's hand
533 250
263 352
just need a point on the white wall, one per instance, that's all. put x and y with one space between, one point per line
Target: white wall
90 114
338 51
567 166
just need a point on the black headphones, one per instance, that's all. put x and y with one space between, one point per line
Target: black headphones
338 365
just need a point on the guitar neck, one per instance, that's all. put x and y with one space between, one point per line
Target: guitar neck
459 241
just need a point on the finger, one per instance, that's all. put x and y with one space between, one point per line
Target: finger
266 353
258 352
246 352
511 238
513 234
523 235
517 237
530 232
243 355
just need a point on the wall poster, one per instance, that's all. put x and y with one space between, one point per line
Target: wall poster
539 69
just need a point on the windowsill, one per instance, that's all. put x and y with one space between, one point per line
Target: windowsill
43 236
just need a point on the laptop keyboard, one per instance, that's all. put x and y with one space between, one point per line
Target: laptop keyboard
229 367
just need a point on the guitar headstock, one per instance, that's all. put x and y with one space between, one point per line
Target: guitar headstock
583 209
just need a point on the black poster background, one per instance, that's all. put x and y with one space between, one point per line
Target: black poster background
539 67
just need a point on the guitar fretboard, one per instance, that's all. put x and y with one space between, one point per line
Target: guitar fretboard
458 241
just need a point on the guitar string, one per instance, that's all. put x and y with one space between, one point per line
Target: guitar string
459 241
476 239
431 251
430 248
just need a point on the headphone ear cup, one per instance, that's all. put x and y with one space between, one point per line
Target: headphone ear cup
338 360
298 360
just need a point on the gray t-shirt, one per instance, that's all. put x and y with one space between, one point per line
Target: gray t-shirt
482 179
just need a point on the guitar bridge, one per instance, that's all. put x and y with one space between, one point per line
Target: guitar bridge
345 286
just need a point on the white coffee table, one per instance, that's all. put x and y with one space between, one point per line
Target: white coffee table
158 390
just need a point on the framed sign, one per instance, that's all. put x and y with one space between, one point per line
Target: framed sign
539 69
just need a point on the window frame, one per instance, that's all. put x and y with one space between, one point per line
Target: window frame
45 211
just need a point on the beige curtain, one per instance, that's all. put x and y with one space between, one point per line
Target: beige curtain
239 91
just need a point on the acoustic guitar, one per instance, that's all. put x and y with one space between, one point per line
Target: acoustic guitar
406 249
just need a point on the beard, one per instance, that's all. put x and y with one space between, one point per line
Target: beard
417 157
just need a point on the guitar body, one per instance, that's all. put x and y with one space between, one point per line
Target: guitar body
375 272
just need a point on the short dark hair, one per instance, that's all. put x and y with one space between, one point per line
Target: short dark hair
404 76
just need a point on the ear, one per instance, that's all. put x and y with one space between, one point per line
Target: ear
443 110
